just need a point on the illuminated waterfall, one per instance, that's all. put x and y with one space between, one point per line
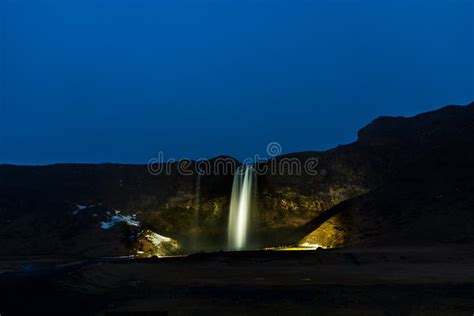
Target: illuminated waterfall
241 204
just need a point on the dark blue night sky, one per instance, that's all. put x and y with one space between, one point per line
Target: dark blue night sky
119 81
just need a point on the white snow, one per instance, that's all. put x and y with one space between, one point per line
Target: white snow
156 239
80 208
116 219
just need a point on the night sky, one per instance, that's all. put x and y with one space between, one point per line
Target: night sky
121 80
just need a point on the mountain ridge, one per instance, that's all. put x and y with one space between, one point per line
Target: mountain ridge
423 161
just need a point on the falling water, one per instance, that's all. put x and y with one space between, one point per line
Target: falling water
241 205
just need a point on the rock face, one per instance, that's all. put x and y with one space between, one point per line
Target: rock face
66 209
424 190
149 244
333 233
404 181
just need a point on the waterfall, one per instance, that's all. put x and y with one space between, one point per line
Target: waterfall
241 204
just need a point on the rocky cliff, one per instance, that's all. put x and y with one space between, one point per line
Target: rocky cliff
404 181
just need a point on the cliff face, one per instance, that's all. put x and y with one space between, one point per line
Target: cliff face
405 180
425 193
98 209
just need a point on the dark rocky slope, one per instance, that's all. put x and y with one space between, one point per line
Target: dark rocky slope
427 192
404 181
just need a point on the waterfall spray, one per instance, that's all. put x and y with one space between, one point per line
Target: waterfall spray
241 204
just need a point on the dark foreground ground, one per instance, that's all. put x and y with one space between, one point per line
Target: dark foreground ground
390 281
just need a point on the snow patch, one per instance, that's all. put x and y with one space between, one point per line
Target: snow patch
80 208
116 219
156 239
